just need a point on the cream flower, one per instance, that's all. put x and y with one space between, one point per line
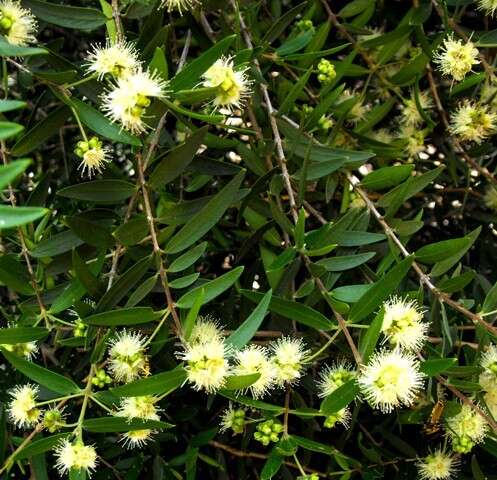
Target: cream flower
127 356
127 102
466 429
75 456
233 86
254 359
455 58
334 377
27 350
119 60
141 407
93 156
472 122
288 358
414 140
17 24
438 465
410 112
490 198
205 330
342 417
206 364
137 438
403 325
233 419
179 5
391 379
489 6
22 407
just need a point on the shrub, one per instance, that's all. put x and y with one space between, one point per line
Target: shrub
248 239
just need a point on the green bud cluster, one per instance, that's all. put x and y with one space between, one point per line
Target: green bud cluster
5 23
326 71
52 420
82 147
268 431
142 102
80 329
311 476
325 123
305 25
493 368
462 444
238 423
101 378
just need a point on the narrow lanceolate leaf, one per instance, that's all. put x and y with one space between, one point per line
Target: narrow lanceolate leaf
123 316
439 251
340 398
437 366
99 191
9 50
22 334
16 216
383 288
293 310
39 446
204 220
346 262
177 160
211 289
239 382
9 172
369 337
51 380
119 424
244 333
9 129
187 259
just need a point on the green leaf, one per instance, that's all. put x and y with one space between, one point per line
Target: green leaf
490 302
204 220
124 316
250 402
131 232
84 275
244 333
294 93
279 26
14 335
90 232
9 172
293 310
192 316
39 446
159 63
176 161
99 123
41 132
51 380
383 288
99 191
15 275
9 129
66 16
154 385
345 262
120 424
187 259
59 243
212 289
437 366
9 105
340 398
16 216
9 50
240 382
440 251
190 75
387 177
369 337
185 281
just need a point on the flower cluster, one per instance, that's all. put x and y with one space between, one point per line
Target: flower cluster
17 24
456 58
438 465
473 122
466 429
127 359
488 378
75 457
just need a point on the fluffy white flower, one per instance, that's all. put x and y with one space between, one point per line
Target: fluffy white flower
142 407
466 429
233 419
27 350
254 359
205 330
127 102
233 86
473 122
456 58
127 356
414 139
93 155
330 378
489 6
17 24
179 5
391 379
119 60
75 456
490 398
489 360
137 438
403 325
288 357
22 407
438 465
206 364
410 112
342 417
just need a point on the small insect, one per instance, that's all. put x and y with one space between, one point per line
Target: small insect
433 425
